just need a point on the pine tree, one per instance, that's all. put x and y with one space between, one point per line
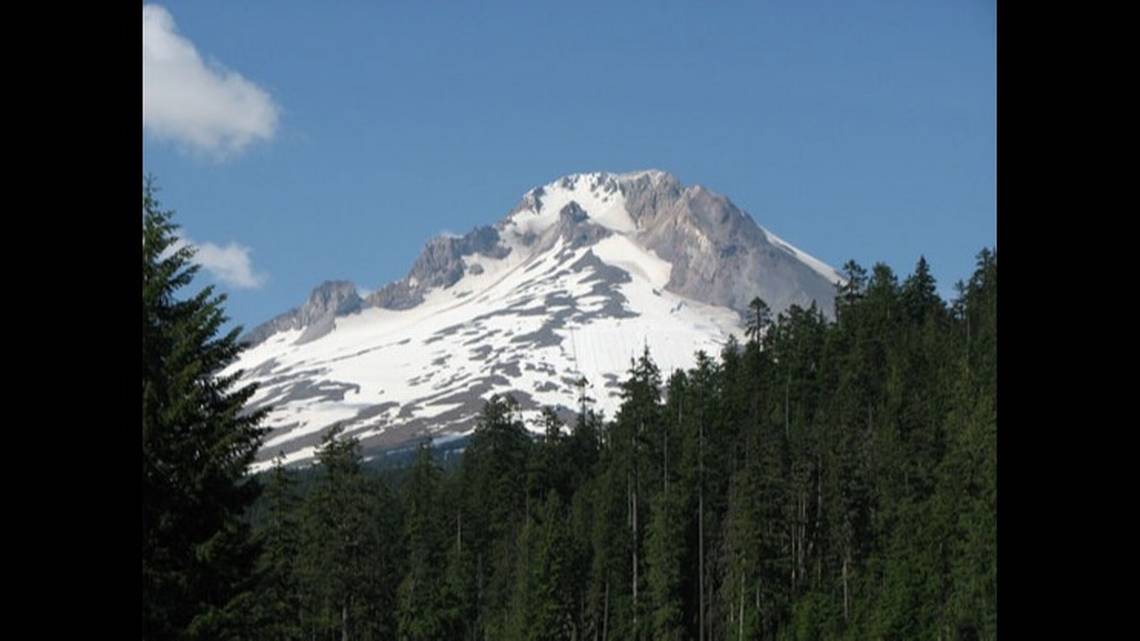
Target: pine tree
279 595
968 474
462 594
423 595
547 590
495 473
583 447
549 468
760 316
918 293
850 290
610 592
351 546
197 446
665 557
638 421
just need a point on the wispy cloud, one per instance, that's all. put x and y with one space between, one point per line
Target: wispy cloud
230 264
205 107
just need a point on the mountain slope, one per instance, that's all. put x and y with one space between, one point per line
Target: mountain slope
577 279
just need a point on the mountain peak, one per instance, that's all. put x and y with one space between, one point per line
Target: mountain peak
653 175
579 276
594 179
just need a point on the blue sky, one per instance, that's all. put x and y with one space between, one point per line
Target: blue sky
302 141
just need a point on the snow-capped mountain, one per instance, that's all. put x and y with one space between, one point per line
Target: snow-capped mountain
576 280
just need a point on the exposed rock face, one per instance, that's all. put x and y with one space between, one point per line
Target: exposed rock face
718 253
328 300
572 214
440 264
574 228
532 200
721 256
649 194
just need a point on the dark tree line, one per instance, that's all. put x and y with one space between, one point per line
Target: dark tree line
823 480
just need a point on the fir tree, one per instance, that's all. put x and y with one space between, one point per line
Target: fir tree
850 290
197 446
495 474
549 583
918 293
665 557
760 316
424 606
351 546
279 601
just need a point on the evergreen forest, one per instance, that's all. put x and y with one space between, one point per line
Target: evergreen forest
817 479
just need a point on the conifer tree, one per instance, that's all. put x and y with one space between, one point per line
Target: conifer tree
758 320
495 474
423 594
197 445
549 468
919 295
637 422
665 557
548 584
460 580
279 594
851 289
583 446
351 546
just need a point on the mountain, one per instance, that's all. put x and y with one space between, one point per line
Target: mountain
574 281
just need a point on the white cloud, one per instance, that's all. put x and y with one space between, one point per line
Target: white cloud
230 264
203 106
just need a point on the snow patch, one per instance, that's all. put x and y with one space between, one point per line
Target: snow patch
620 251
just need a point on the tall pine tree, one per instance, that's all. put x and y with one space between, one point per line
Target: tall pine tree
351 547
423 597
197 445
278 608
